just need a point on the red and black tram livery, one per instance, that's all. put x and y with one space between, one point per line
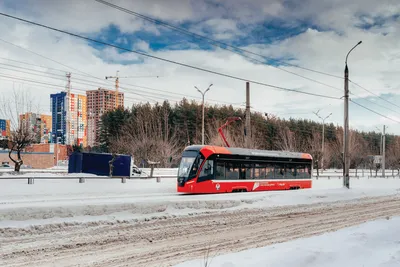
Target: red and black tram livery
214 169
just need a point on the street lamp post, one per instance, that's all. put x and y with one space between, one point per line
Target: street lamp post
323 137
202 124
346 160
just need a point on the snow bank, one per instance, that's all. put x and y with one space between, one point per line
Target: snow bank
372 244
56 200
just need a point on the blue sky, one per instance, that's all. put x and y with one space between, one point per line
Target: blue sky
311 34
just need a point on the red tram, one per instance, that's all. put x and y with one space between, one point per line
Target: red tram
214 169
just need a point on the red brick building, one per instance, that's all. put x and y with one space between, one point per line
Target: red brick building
39 156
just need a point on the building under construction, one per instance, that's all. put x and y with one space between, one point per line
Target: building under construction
98 102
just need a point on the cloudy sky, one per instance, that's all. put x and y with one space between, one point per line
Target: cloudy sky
284 37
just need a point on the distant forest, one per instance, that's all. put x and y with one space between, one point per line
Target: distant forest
160 132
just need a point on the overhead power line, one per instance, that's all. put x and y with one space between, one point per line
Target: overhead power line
356 84
170 61
210 40
142 94
103 82
182 64
16 78
30 64
225 45
373 111
33 52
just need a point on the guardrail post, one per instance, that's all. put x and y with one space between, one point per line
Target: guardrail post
123 180
31 181
81 180
151 171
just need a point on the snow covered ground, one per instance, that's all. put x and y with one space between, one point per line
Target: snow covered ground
55 200
103 222
372 244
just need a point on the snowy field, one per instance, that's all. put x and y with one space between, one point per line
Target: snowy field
142 223
55 200
371 244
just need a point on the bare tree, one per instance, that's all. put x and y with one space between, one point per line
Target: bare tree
148 136
21 134
393 156
358 155
354 146
287 139
328 154
315 149
234 135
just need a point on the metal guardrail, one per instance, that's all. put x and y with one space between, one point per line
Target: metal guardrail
82 179
356 177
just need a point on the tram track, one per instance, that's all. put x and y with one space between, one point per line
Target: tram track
165 242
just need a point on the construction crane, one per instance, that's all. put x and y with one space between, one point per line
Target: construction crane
228 121
117 77
116 88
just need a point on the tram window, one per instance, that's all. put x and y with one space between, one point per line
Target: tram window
279 171
269 171
220 172
246 171
256 172
207 171
290 171
259 171
308 171
301 172
232 171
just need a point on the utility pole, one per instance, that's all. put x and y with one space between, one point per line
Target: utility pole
202 122
56 147
323 137
380 144
116 88
248 122
383 150
346 159
68 109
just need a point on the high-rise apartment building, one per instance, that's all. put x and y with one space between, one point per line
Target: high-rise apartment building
4 129
45 128
40 125
58 108
69 121
79 119
98 102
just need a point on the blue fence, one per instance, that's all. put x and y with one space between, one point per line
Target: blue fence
98 164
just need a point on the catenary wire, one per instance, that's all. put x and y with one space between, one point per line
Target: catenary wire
168 60
210 40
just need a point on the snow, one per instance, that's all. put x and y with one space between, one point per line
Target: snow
371 244
66 200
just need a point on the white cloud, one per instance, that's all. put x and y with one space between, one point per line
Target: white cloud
373 64
141 45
